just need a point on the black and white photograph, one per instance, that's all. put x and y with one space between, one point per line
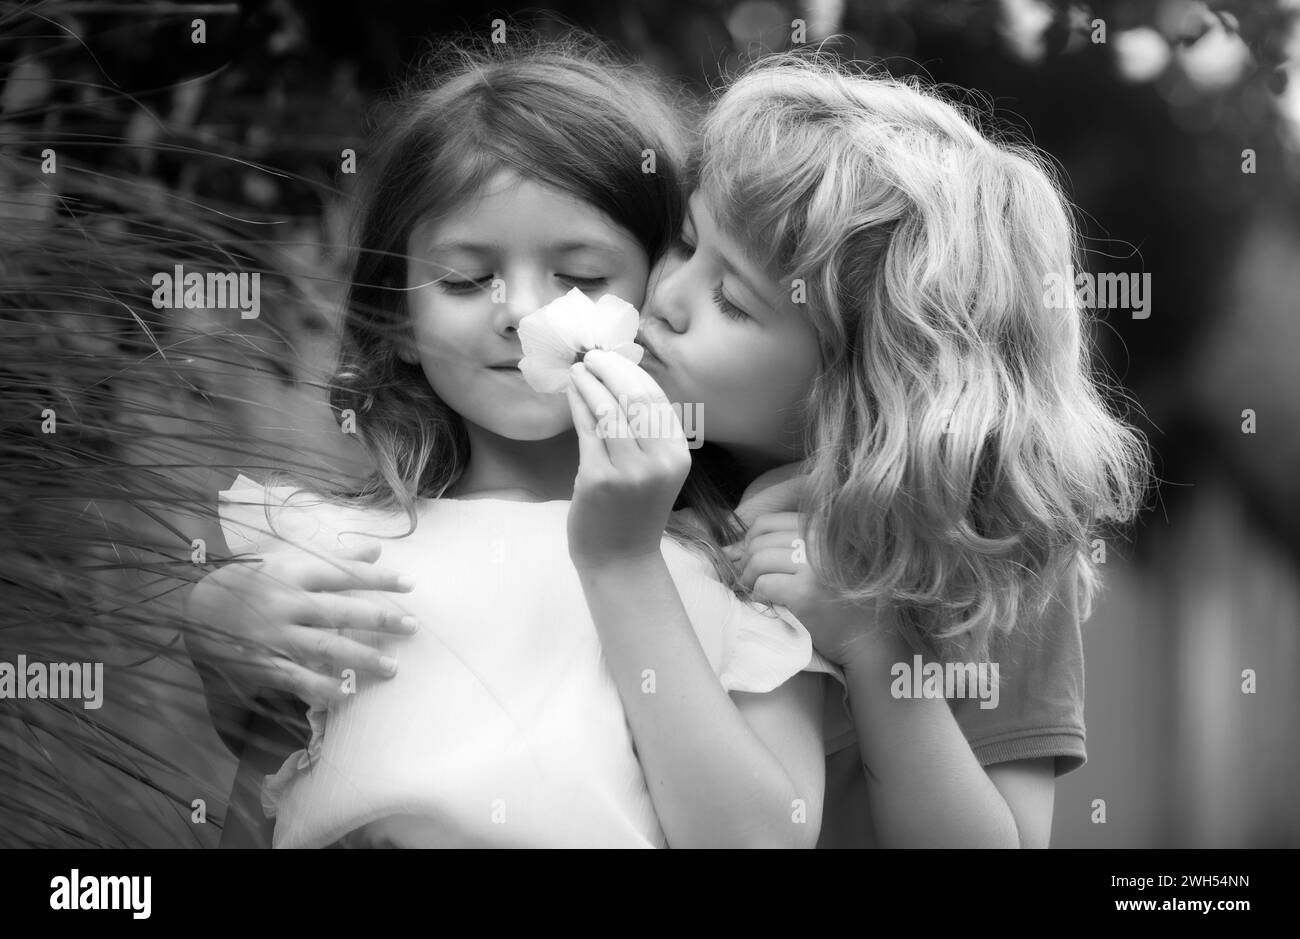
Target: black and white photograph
817 424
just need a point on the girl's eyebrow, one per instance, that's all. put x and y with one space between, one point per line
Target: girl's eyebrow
593 244
568 246
468 247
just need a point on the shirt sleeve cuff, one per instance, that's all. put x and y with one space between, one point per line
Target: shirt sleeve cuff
1066 745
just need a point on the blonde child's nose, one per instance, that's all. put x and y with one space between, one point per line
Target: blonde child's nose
664 300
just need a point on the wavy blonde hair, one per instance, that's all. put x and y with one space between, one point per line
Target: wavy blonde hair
961 450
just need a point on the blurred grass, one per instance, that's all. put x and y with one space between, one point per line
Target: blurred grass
153 411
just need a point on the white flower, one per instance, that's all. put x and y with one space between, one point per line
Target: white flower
564 330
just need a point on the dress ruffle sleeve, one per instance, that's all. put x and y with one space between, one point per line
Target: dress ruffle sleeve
764 646
297 763
753 647
257 520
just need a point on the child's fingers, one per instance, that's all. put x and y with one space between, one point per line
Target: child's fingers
623 377
333 573
591 449
774 588
780 497
773 522
768 561
583 419
785 540
333 611
775 537
306 644
608 415
640 399
301 682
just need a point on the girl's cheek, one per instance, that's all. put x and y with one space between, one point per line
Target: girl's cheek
634 288
636 282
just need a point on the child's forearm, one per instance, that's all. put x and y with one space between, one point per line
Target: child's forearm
231 710
227 711
926 787
235 716
713 782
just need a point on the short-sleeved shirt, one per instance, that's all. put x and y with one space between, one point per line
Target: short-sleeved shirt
1039 714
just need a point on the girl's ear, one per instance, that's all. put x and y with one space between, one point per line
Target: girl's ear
404 342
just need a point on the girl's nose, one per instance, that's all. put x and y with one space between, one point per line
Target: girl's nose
522 296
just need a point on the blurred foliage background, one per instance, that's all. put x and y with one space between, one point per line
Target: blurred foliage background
225 155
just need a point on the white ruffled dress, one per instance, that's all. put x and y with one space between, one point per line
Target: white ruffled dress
502 726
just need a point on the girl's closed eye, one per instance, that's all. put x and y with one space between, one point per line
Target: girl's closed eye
467 285
583 283
473 284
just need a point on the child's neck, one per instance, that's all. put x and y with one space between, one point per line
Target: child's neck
754 462
521 470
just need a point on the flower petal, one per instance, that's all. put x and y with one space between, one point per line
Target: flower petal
538 337
545 375
618 321
630 351
558 334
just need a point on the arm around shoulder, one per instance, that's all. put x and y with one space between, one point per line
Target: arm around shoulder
788 720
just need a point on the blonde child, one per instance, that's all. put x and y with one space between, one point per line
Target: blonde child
856 243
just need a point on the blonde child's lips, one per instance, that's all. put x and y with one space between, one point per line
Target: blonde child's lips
651 357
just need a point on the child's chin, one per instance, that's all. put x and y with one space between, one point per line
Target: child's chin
536 422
